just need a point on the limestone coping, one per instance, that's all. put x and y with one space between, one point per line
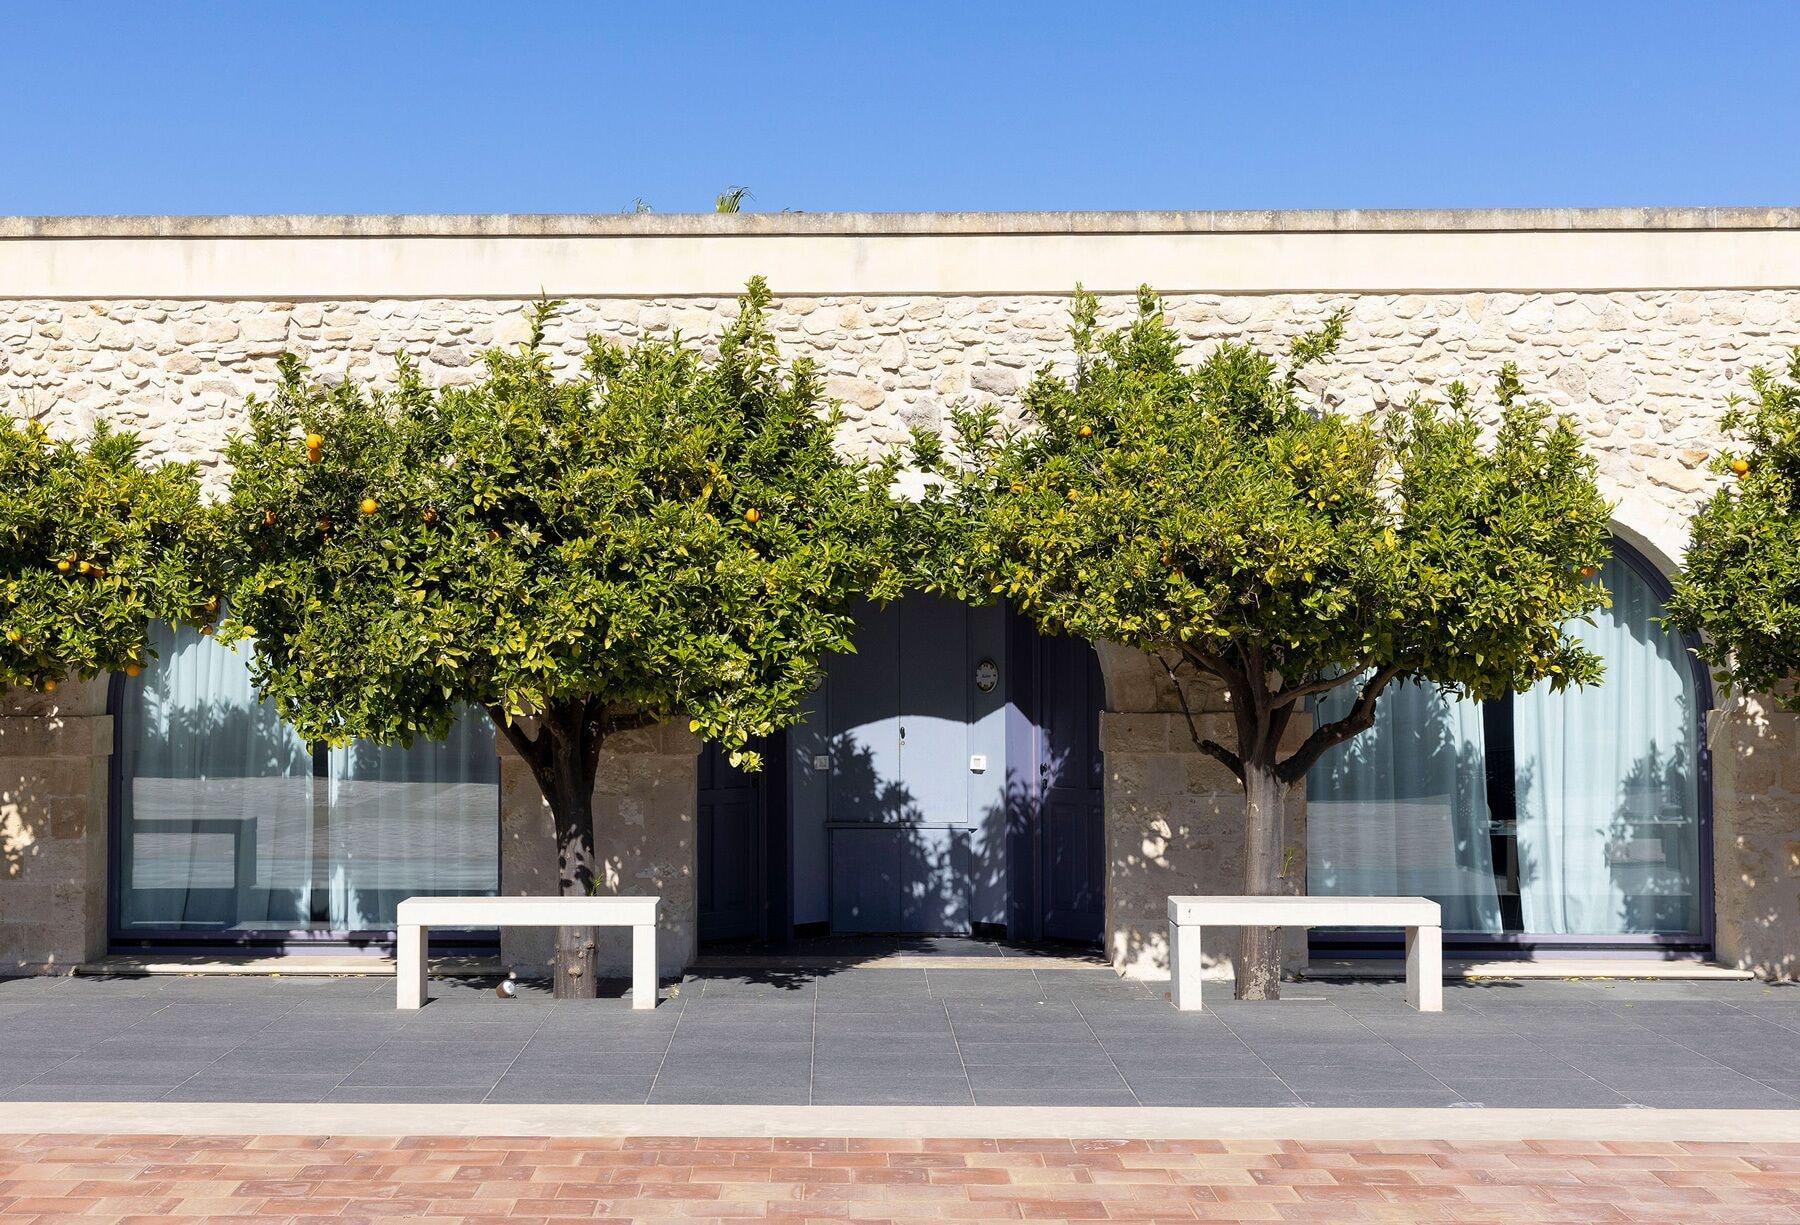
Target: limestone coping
686 225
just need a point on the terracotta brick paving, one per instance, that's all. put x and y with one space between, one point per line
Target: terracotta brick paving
521 1181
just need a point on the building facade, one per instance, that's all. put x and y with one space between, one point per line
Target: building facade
959 773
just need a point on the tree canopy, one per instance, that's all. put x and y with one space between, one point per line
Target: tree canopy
658 534
664 532
95 543
1740 585
1210 512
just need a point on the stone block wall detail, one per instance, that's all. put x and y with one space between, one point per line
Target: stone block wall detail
1175 816
53 823
644 813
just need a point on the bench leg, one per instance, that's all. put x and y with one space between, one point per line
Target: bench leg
643 965
1184 967
409 972
1425 968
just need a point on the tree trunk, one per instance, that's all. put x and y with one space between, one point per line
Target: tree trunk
1259 948
575 970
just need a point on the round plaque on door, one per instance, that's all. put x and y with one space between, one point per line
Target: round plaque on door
987 675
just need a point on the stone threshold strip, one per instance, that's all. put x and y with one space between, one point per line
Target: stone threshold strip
1071 1123
118 1178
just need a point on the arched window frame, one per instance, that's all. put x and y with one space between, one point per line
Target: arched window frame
1363 943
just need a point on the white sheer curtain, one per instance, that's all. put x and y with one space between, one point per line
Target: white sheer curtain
413 821
1402 807
222 828
1608 792
217 807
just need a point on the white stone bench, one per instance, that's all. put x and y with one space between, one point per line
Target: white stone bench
416 916
1421 917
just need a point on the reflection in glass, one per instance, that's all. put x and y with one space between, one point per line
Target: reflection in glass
228 822
1571 814
1402 809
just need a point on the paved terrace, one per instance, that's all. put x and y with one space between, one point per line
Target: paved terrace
929 1037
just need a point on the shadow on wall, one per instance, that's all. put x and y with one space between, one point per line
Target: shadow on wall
897 867
644 812
1175 817
1756 770
52 791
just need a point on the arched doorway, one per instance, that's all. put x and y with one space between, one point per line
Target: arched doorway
1540 820
945 780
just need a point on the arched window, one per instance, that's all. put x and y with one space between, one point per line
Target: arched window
1573 818
228 827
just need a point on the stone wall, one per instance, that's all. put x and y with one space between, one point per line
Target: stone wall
644 811
1644 374
54 753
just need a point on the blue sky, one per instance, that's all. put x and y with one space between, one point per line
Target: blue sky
325 106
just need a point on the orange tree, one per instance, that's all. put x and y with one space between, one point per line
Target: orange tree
94 544
660 534
1212 514
1740 584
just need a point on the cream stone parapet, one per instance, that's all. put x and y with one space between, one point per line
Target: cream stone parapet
53 839
876 254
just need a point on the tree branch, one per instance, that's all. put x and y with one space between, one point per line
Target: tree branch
535 753
1360 718
1212 748
1287 697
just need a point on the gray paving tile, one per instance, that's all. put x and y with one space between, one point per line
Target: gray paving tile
252 1089
1513 1093
1074 1080
1055 1095
1034 1054
80 1072
682 1094
1213 1091
422 1075
407 1095
85 1093
1372 1099
571 1090
919 1091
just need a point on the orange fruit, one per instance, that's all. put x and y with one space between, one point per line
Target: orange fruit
324 524
1073 496
312 454
1740 466
49 686
1086 431
82 567
62 565
752 515
314 441
493 536
1588 572
366 506
97 571
132 669
212 604
268 518
13 635
430 515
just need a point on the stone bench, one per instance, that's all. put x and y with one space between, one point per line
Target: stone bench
1421 917
416 916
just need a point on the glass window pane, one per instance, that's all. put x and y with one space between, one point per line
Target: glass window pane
413 821
216 808
1402 808
223 830
1607 781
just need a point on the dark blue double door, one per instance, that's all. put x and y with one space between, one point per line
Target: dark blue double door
910 836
